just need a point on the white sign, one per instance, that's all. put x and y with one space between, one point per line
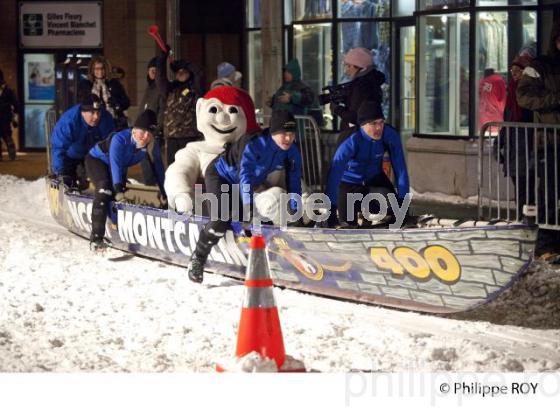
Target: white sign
63 24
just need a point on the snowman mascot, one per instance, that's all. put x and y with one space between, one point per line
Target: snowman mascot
223 115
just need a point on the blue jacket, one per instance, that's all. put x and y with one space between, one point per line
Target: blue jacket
122 153
72 138
260 157
359 159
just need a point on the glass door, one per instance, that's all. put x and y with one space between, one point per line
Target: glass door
405 110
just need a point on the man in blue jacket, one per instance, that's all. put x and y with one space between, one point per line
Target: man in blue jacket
77 130
107 164
357 166
247 163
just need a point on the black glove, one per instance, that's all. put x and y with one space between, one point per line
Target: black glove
339 110
164 204
118 188
330 222
297 224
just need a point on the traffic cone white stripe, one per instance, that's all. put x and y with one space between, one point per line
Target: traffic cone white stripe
259 298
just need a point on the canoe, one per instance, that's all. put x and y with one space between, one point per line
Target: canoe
441 266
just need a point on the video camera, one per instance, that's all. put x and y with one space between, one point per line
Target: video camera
335 93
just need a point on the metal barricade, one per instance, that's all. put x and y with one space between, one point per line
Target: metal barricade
50 121
308 139
518 165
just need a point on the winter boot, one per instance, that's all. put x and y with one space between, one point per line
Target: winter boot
97 244
195 270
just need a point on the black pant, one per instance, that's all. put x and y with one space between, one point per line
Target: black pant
100 175
380 184
7 137
217 227
74 174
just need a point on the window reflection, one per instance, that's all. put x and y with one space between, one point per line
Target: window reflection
312 9
312 47
501 37
253 13
363 8
442 4
444 70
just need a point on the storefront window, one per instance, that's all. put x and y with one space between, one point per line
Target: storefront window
444 74
253 13
375 36
442 4
312 9
404 7
501 37
39 95
312 47
363 8
254 64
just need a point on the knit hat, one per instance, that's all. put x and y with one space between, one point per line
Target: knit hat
236 96
522 61
359 57
370 111
90 102
225 69
282 121
152 62
179 65
146 121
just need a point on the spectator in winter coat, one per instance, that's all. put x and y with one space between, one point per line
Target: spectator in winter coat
539 91
539 87
8 109
365 85
293 95
512 145
107 164
77 130
108 89
152 100
179 116
492 98
226 75
247 163
357 166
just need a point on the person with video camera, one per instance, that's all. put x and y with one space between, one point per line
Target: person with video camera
365 85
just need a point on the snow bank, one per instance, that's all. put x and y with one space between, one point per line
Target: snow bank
533 301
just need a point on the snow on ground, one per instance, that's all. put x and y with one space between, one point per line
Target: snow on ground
64 309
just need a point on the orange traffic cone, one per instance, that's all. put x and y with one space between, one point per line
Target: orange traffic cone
259 326
260 333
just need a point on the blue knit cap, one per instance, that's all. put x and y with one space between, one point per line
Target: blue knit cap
225 69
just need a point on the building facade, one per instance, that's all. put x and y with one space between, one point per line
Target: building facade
434 54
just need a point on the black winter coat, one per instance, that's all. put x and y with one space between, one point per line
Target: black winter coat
179 116
8 105
366 86
152 100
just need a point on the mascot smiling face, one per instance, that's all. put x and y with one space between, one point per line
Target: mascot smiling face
225 114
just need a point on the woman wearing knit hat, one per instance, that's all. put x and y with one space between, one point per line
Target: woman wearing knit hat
365 85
